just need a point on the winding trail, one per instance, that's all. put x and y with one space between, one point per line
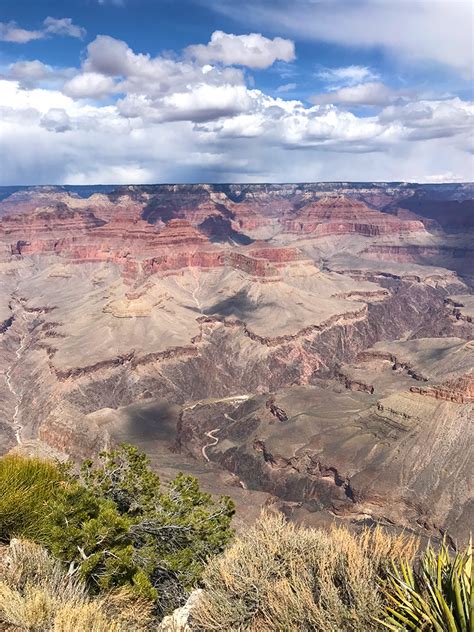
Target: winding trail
214 441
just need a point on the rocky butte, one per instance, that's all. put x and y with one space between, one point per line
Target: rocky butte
308 346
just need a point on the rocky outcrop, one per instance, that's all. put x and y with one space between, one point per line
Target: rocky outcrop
6 324
460 390
179 620
354 385
340 215
397 365
462 307
250 265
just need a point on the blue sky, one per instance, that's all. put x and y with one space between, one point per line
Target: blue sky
215 90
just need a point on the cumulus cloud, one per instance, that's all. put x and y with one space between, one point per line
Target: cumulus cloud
201 103
442 178
56 120
158 88
190 119
11 32
91 85
140 73
50 137
252 50
34 73
431 119
112 57
372 93
30 71
206 102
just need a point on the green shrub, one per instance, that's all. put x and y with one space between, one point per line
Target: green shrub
173 531
438 596
114 524
277 576
26 487
87 532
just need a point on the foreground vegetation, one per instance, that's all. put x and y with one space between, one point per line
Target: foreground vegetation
37 593
278 576
281 577
112 549
438 596
114 524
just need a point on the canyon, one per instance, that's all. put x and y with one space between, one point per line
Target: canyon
304 347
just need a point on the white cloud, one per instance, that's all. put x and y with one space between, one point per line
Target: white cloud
373 93
252 50
56 120
434 30
11 32
33 70
34 73
282 145
112 57
441 178
63 26
347 75
431 119
89 85
153 76
189 119
223 133
286 87
201 103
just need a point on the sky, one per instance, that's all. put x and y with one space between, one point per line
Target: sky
149 91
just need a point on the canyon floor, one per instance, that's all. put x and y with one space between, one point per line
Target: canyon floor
305 347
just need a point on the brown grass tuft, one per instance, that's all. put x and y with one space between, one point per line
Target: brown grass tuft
278 576
36 594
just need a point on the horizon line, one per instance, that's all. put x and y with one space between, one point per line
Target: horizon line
299 182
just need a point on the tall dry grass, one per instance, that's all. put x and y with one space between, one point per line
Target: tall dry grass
280 577
36 594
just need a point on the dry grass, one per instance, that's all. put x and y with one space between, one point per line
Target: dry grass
36 594
279 577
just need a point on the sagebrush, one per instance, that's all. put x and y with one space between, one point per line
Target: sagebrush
277 576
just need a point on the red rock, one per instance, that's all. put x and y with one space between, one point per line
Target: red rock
338 215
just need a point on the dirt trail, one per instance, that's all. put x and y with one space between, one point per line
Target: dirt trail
214 441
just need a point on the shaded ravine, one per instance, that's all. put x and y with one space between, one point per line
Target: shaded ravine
16 425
